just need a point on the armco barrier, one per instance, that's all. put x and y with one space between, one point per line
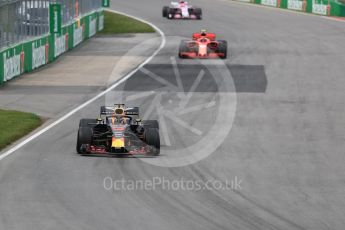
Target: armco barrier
30 55
320 7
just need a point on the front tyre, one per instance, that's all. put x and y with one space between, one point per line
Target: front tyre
151 124
87 122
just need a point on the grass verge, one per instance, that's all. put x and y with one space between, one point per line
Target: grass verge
118 24
14 125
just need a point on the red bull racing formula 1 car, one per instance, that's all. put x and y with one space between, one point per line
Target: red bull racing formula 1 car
118 131
181 10
203 45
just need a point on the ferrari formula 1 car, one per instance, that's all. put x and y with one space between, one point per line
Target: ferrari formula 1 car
118 131
181 10
203 45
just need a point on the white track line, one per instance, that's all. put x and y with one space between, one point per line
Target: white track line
55 123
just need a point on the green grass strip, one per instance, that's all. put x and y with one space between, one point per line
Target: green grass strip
14 125
119 24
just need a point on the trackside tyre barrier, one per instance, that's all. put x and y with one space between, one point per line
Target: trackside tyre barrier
32 54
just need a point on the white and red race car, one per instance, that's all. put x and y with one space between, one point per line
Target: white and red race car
203 46
181 10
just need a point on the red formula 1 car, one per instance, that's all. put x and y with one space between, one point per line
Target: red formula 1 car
181 10
203 45
118 131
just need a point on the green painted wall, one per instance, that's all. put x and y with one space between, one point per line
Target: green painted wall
283 4
309 6
337 9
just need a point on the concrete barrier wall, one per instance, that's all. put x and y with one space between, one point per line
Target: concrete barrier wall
30 55
320 7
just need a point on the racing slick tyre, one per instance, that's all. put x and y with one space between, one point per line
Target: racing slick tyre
223 48
87 123
198 13
151 137
183 49
151 124
84 137
165 11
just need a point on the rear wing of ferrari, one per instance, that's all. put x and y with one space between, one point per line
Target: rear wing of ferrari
111 110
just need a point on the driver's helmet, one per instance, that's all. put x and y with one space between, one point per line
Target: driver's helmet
203 32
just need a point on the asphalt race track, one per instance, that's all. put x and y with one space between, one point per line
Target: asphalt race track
271 117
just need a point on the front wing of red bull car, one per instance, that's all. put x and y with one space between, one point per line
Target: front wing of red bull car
181 10
118 130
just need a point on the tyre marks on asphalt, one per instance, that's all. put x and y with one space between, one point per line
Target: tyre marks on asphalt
157 77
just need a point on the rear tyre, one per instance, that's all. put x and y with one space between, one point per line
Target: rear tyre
87 122
223 48
151 124
152 139
84 137
165 11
